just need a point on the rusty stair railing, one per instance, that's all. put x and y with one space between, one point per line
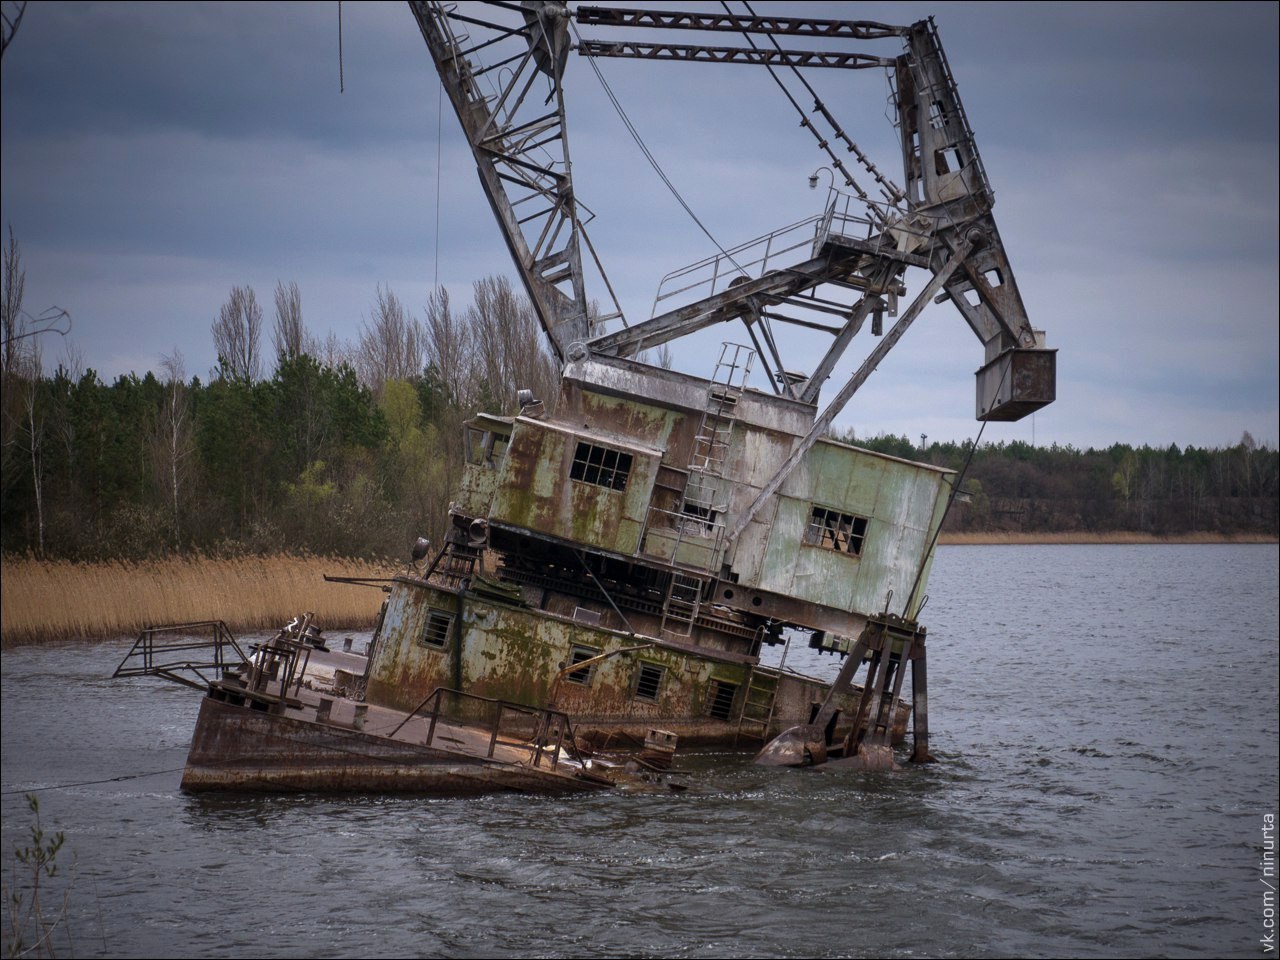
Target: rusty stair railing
178 652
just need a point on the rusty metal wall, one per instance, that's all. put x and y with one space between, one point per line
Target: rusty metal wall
534 490
513 653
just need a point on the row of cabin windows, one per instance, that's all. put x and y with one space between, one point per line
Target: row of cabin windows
648 678
828 528
648 682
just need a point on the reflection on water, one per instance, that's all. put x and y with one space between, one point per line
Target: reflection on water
1105 720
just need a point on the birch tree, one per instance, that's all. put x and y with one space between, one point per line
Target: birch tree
174 441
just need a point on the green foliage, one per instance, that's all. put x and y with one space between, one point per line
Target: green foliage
29 930
1023 488
311 459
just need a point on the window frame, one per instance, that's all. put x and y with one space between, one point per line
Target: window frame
716 699
439 623
657 672
601 466
831 529
582 677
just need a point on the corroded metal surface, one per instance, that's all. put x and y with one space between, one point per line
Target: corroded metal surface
514 653
628 549
239 748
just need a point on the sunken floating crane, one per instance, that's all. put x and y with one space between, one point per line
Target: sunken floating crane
621 556
726 510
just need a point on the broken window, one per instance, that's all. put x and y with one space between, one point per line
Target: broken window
436 632
842 532
937 115
474 442
705 516
947 160
495 447
601 466
648 681
485 447
576 655
720 697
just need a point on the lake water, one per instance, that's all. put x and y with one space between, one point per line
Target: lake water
1105 720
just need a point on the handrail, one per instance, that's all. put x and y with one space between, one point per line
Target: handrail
545 721
728 265
155 653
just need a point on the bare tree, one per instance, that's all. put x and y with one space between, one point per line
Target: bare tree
660 357
16 325
10 358
289 335
237 333
508 347
331 352
28 375
15 281
11 12
22 415
391 344
447 347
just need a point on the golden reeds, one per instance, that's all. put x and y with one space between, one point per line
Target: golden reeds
60 600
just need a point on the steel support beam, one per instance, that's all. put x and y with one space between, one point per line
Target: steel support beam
823 423
737 23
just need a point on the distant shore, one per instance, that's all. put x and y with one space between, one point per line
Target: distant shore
1086 537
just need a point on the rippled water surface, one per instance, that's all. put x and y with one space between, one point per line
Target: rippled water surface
1105 720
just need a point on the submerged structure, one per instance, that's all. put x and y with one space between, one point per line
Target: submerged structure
619 554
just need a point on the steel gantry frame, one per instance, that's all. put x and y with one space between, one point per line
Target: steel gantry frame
941 221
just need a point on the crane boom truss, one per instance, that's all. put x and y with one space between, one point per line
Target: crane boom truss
520 146
521 151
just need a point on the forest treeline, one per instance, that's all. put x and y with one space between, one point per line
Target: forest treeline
355 448
305 446
1015 487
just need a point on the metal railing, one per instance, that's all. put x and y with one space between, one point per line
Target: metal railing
166 652
750 260
536 734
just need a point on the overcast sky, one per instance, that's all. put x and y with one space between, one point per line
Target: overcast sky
155 155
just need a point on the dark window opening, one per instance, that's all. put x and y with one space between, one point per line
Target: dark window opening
937 115
474 445
947 161
484 447
436 633
601 466
648 681
705 516
577 655
495 448
720 702
832 530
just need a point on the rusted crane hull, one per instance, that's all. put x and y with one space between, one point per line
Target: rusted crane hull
237 748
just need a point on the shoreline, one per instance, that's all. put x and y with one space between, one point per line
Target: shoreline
1114 538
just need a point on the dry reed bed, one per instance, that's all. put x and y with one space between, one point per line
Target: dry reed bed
60 600
974 539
